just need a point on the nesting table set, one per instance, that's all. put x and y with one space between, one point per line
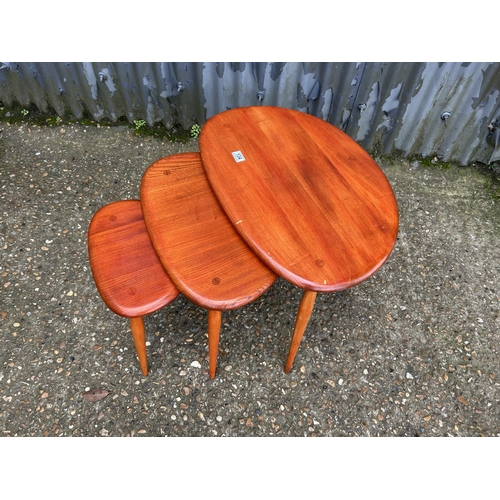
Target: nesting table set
273 192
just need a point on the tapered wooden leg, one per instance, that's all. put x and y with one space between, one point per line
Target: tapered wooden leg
303 315
214 321
137 327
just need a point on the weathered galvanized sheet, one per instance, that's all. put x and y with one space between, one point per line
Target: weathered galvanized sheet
451 110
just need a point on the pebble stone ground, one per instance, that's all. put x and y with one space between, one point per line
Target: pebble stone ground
413 351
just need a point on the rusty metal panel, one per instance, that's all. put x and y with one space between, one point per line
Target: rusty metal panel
451 110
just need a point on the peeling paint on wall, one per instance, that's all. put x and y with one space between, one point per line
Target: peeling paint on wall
447 109
367 112
88 71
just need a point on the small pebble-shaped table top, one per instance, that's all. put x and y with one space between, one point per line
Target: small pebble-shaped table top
126 269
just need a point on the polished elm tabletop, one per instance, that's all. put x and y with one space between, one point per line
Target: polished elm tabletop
201 251
309 201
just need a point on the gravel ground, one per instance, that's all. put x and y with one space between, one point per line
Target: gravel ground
413 351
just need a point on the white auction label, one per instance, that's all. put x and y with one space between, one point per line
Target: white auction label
238 156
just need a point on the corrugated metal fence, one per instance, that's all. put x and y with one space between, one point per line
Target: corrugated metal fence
451 110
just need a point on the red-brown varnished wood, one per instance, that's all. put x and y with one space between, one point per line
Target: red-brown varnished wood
204 255
214 322
307 199
304 313
127 272
139 336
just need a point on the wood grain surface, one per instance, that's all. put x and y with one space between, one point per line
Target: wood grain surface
204 255
128 274
307 198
